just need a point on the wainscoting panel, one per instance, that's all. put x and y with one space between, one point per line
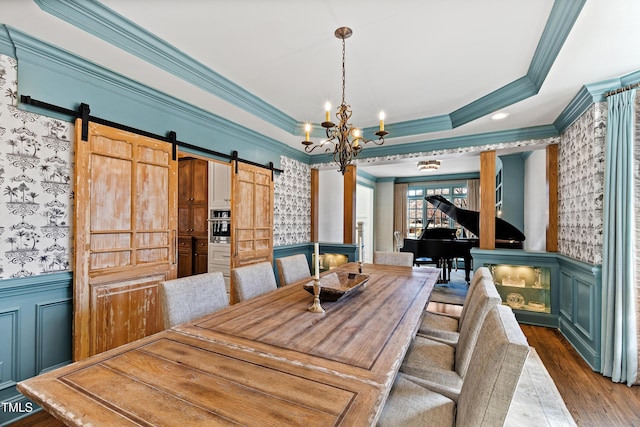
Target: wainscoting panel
585 299
35 335
9 348
580 316
52 348
566 295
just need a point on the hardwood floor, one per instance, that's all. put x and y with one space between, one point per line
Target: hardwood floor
593 400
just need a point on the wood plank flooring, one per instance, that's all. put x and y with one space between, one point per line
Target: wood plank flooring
592 399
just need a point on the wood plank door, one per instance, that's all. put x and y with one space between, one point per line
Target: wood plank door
251 215
125 236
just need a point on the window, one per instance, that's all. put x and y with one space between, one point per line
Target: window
419 211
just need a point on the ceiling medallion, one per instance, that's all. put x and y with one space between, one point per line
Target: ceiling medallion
343 139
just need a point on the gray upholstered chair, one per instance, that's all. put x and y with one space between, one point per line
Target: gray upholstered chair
188 298
251 281
446 328
442 365
393 258
487 390
292 269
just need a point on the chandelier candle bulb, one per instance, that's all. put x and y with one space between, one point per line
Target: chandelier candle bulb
381 121
307 129
327 110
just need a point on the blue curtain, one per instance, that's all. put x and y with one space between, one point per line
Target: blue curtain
619 338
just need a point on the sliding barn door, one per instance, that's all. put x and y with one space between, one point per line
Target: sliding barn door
252 215
125 236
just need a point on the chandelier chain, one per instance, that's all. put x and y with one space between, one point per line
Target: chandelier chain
343 68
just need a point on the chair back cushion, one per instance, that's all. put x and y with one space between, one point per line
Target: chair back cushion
393 258
485 298
498 360
188 298
481 274
292 269
251 281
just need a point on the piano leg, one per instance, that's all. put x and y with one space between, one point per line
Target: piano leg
467 268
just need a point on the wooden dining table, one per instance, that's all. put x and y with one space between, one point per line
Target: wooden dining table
268 361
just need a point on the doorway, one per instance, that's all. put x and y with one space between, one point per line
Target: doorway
364 214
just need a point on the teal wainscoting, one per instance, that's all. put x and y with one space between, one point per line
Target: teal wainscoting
35 335
575 286
307 248
580 307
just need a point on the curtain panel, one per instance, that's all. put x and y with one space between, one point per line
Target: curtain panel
619 300
473 194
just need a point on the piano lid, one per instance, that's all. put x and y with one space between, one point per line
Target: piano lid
471 220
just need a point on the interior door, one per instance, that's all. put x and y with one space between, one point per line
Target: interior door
125 236
252 215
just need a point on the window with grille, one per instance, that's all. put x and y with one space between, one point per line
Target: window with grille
420 212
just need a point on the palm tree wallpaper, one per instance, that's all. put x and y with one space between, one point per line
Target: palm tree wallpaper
36 155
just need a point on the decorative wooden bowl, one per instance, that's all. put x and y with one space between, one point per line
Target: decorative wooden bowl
334 285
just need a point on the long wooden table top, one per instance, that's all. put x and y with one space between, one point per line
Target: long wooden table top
267 361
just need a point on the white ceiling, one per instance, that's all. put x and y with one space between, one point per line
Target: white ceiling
413 59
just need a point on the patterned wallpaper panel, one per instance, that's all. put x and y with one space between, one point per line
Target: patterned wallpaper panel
581 186
36 173
292 203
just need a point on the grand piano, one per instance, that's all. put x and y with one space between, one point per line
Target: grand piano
442 245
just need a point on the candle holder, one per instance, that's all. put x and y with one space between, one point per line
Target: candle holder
360 265
316 307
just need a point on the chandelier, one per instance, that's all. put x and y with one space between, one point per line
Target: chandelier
428 165
344 139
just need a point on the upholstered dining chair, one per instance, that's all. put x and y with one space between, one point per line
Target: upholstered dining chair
393 258
292 269
188 298
251 281
443 366
446 327
486 392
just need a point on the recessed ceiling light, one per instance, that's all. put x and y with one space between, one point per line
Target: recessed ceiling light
500 116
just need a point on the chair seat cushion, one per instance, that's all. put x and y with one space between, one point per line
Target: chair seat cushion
440 327
425 353
410 405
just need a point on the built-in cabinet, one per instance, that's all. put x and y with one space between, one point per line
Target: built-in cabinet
193 213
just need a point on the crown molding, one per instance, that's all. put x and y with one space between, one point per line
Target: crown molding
509 94
426 179
6 45
41 55
564 14
460 142
95 18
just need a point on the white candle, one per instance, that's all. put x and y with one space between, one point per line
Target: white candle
360 248
316 248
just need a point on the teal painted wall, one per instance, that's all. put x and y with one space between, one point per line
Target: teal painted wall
35 334
513 190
